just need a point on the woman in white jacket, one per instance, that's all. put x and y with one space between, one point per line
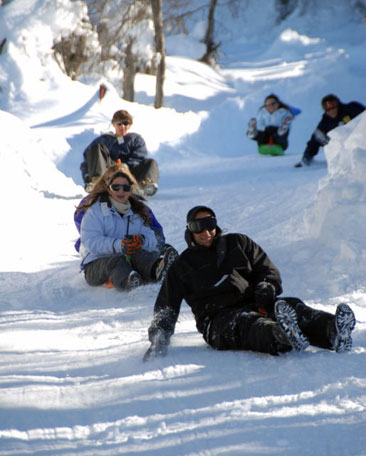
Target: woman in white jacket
272 124
117 242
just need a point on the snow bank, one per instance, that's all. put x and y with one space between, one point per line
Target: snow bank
28 170
339 209
31 53
34 197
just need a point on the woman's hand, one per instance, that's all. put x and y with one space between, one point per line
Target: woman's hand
131 243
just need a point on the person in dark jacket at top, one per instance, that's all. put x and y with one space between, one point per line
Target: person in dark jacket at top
232 288
129 148
335 113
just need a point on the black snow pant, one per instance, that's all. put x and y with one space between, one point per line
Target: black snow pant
263 137
98 160
117 268
237 329
147 171
312 148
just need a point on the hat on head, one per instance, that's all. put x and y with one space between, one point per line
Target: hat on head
188 236
196 209
330 99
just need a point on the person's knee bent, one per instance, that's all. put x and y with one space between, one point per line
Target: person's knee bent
95 275
114 268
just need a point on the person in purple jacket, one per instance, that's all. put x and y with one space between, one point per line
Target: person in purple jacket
129 148
118 244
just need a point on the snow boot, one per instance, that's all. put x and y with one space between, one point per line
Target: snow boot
305 161
148 188
252 128
281 343
287 320
344 322
90 185
163 264
134 280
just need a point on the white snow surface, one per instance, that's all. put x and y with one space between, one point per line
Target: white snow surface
71 371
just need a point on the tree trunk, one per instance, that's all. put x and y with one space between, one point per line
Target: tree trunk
211 47
129 73
157 9
2 45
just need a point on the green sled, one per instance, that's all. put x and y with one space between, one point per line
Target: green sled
270 149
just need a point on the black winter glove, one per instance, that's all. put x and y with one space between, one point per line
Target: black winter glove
265 296
87 179
158 348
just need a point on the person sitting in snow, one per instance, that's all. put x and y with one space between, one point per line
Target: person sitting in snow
335 113
153 222
232 288
118 243
272 125
130 148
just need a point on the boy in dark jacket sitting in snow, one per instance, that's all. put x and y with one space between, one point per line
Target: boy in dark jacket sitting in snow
232 286
129 148
335 113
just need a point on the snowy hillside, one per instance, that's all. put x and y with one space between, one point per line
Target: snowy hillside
71 371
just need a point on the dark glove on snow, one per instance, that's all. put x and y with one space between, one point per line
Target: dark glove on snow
158 348
265 296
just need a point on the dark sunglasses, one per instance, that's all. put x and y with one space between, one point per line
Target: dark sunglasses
124 122
202 224
117 187
272 103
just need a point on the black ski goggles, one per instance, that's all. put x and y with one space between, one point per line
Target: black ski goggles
117 187
202 224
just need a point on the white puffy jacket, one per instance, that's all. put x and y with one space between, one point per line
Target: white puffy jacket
103 228
265 119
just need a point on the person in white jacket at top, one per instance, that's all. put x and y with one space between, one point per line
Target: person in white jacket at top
272 125
117 243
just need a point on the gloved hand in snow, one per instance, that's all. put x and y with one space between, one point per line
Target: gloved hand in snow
265 296
159 346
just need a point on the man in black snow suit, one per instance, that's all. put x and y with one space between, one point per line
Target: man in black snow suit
335 113
231 286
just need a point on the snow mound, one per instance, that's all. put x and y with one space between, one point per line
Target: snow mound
339 208
29 171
